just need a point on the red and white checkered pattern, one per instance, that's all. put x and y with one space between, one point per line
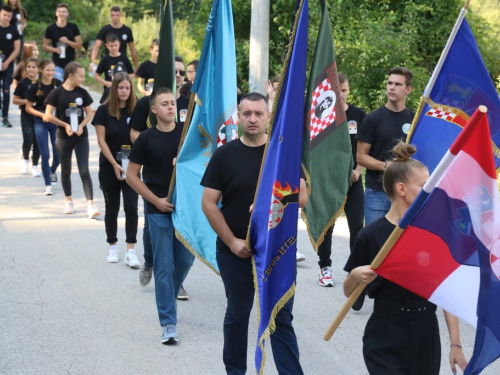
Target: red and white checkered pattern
441 114
221 137
275 212
318 125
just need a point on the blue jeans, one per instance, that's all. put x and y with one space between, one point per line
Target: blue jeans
377 204
146 237
172 262
43 130
237 277
6 77
59 74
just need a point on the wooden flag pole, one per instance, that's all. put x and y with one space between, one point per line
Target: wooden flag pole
183 137
467 2
382 254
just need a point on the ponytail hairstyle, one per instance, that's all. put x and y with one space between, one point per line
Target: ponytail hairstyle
41 67
28 48
401 168
71 68
113 101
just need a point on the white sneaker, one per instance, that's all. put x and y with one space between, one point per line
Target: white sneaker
300 257
48 191
68 208
325 277
113 254
35 172
24 166
93 212
131 259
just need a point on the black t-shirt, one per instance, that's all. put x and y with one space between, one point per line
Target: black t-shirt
141 112
8 35
368 243
234 170
123 33
16 16
117 131
156 150
22 89
146 71
61 98
39 101
186 89
182 104
355 117
114 64
383 129
54 32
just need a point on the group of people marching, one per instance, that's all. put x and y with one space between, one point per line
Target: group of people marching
401 336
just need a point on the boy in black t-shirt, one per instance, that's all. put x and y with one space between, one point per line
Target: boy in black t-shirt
10 46
156 148
123 32
62 38
114 62
377 135
146 71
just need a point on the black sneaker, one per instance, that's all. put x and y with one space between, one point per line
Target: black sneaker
182 294
6 123
53 178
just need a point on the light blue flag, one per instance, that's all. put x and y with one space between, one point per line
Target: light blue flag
214 122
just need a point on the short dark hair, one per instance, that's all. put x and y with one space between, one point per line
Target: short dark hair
112 38
155 42
115 8
254 97
62 5
402 71
7 8
179 59
194 63
343 78
158 91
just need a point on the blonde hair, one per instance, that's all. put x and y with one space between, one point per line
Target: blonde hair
401 168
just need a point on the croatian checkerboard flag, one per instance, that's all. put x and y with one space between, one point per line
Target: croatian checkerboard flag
449 251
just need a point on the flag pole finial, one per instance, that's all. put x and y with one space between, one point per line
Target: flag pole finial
467 2
483 108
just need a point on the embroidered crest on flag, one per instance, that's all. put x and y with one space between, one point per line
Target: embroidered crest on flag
447 113
282 195
229 130
322 108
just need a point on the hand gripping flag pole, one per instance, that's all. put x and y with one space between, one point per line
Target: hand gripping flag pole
480 113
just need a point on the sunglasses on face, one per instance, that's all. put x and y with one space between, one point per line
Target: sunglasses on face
181 72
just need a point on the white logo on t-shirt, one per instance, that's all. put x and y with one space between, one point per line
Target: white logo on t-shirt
353 127
18 16
406 128
124 36
79 101
128 120
9 36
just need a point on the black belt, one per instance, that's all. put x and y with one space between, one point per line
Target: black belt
408 309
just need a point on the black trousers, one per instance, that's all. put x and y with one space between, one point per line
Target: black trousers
355 213
111 188
29 138
65 149
402 345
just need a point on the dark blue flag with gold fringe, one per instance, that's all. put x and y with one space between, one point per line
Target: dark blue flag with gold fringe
273 226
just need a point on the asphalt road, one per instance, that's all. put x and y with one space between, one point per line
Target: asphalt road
65 310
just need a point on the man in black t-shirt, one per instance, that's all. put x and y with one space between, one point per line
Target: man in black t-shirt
378 134
354 205
232 176
146 71
124 34
156 148
62 38
10 46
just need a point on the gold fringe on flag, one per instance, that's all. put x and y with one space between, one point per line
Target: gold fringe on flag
193 251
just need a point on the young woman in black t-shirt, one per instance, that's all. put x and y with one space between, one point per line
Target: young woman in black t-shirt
402 334
111 125
35 106
71 103
30 76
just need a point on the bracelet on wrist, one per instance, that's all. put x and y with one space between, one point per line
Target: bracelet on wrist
458 346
